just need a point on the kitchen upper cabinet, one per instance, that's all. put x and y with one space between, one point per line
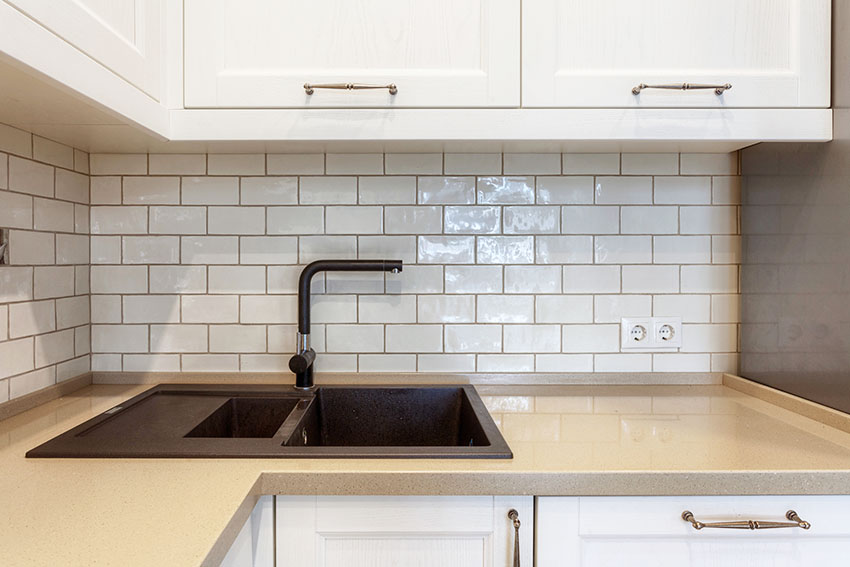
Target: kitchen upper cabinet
593 53
384 531
124 36
650 531
439 53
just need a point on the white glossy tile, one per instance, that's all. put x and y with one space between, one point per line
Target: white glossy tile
498 363
709 220
209 250
473 338
358 164
72 186
473 279
177 279
649 220
119 279
532 220
178 338
420 164
473 220
563 363
682 249
565 190
590 220
623 249
151 191
446 249
710 279
446 308
354 220
473 164
649 164
622 363
564 249
237 279
118 164
592 164
178 220
414 338
268 190
119 220
150 250
295 220
591 279
532 338
386 309
413 220
396 247
53 281
682 190
386 363
504 308
446 190
105 190
149 309
612 308
505 250
387 190
505 190
311 248
591 338
177 164
710 164
295 164
532 279
691 308
564 309
267 250
650 279
532 163
623 190
209 190
52 152
210 308
446 363
236 164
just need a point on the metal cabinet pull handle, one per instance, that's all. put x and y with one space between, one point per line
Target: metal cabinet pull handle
718 89
309 89
796 522
514 515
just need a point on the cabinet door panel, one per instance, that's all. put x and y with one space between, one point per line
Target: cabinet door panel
591 53
376 531
644 531
441 53
123 35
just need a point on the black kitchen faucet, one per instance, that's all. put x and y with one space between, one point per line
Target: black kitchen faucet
302 362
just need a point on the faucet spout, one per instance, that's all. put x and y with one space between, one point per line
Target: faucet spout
302 362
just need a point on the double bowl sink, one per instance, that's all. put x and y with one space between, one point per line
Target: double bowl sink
220 421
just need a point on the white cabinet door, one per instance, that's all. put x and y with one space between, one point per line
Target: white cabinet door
592 53
650 531
439 53
384 531
123 35
254 546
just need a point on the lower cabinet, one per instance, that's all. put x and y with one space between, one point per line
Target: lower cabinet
384 531
644 531
379 531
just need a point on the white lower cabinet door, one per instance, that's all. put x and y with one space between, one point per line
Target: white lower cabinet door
650 531
254 546
409 531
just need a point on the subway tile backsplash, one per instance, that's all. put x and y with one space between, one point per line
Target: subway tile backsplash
513 262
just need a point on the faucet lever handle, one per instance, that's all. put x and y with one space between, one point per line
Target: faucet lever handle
300 362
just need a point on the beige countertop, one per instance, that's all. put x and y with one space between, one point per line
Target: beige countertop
567 440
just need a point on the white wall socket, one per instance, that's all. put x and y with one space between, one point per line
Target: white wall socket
651 333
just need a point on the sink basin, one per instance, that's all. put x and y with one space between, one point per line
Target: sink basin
390 417
216 421
246 417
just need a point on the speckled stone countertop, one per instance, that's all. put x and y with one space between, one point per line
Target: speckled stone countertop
567 440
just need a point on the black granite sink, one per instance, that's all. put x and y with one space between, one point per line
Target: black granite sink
217 421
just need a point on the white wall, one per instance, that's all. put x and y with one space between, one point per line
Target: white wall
513 263
44 293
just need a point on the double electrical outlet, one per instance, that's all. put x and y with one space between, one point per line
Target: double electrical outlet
651 333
